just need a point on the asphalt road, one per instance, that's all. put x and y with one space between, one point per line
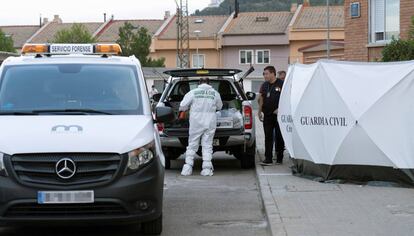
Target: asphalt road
226 204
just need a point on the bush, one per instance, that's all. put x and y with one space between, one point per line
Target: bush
399 50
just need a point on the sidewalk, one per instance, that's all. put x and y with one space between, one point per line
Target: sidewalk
299 207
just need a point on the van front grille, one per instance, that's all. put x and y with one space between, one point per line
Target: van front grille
89 168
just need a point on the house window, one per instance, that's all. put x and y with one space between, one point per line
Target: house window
198 60
246 56
384 20
262 56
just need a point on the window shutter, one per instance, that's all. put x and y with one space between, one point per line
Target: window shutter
379 12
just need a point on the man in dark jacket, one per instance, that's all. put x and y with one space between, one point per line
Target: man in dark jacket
268 108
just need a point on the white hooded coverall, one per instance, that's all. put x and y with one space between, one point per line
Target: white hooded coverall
203 103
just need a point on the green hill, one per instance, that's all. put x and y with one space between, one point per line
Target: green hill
259 5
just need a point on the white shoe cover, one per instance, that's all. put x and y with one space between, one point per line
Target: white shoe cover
187 170
207 172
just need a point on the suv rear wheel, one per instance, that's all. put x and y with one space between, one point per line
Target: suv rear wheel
247 159
153 227
170 154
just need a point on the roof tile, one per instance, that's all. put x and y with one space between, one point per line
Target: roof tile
314 17
110 33
48 33
259 23
208 25
20 33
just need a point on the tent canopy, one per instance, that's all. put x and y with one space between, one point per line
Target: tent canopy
347 113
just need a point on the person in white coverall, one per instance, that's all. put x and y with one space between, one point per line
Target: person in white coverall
203 103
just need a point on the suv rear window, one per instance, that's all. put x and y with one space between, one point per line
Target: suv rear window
181 88
108 88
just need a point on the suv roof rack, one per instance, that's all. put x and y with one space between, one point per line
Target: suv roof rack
202 72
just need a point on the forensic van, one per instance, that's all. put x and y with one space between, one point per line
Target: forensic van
78 143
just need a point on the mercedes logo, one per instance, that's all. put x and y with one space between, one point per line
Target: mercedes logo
65 168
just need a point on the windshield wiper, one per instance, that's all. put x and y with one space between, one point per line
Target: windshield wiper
17 113
71 111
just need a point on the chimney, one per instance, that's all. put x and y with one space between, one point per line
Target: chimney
167 15
306 3
293 7
236 9
45 21
57 19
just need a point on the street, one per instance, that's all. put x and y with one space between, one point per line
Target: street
226 204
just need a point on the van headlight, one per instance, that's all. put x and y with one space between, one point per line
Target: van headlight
140 157
2 166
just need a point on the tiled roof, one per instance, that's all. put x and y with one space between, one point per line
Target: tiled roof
259 23
315 17
111 31
208 25
20 33
48 33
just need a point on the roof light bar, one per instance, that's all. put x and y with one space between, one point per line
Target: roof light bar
62 49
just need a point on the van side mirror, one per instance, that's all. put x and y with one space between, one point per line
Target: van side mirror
251 96
156 97
164 114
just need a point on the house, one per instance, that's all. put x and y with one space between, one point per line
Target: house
257 39
203 38
308 29
20 34
371 24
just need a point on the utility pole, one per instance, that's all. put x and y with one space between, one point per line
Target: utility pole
183 35
328 38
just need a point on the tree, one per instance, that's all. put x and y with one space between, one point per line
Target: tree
78 33
6 43
137 41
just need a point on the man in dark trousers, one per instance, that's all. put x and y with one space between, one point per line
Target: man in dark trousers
268 108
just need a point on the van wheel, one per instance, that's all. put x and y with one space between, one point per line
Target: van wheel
247 160
153 227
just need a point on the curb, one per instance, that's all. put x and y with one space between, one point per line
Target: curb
273 217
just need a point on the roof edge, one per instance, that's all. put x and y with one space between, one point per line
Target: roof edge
333 43
164 25
295 16
226 24
102 28
40 30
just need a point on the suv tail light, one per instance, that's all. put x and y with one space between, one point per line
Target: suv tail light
248 117
160 127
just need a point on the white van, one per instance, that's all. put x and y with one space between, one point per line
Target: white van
77 139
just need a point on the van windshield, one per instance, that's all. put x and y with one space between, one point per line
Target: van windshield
67 88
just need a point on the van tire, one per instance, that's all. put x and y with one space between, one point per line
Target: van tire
153 227
247 159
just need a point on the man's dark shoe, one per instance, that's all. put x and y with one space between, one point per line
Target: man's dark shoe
266 163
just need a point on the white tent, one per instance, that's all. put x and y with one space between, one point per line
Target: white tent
350 120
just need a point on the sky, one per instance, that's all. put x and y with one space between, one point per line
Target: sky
25 12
